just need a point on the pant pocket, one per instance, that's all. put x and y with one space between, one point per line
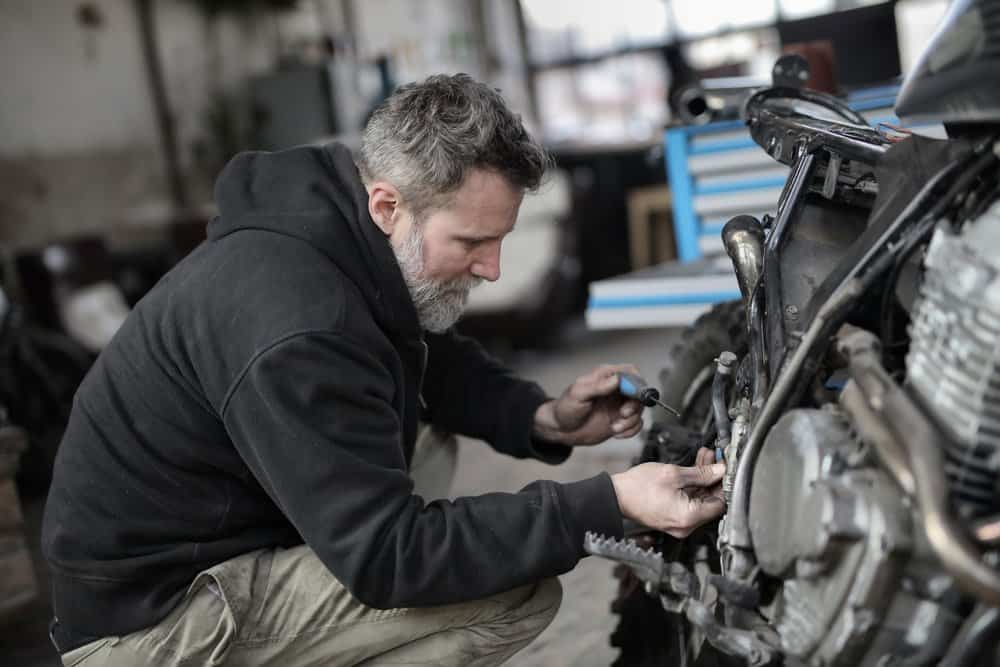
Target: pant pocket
79 656
199 631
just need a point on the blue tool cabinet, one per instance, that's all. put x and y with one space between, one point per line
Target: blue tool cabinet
715 172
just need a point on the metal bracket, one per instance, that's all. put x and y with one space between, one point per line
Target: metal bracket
832 173
742 643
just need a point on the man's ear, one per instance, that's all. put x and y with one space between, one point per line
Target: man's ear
383 205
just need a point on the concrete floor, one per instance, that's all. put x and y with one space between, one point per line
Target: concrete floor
578 635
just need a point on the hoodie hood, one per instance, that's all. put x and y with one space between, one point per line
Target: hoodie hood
315 194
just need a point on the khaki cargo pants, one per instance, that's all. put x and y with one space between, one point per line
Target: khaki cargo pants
282 607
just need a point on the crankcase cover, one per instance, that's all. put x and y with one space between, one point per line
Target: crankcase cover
833 527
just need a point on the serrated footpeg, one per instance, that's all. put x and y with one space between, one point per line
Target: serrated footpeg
678 590
647 564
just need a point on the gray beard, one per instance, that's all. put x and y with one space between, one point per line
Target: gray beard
439 304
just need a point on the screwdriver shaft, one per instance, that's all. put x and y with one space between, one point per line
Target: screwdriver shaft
667 407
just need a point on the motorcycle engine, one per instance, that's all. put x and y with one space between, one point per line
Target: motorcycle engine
953 366
857 583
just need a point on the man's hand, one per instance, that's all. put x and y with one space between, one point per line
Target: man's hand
669 498
591 410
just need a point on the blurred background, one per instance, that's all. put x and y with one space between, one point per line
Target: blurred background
116 116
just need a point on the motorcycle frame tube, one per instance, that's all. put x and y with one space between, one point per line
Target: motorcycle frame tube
921 441
792 197
737 518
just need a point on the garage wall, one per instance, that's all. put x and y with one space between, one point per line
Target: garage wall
80 150
61 79
79 146
77 133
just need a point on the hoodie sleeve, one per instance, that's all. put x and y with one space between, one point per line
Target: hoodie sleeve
469 392
326 447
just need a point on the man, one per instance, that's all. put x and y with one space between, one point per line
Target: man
234 481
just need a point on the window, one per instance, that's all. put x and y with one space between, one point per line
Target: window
694 19
565 29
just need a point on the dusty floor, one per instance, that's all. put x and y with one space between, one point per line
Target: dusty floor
579 633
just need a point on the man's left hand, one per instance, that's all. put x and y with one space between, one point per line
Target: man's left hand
591 410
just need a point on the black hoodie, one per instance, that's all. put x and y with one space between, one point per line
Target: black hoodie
265 393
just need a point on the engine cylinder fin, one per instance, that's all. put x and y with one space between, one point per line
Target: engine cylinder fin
984 487
953 363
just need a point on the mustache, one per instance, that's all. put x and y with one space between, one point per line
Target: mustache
463 284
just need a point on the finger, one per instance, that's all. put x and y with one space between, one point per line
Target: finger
628 424
702 492
602 381
703 510
630 407
628 433
705 457
701 475
613 369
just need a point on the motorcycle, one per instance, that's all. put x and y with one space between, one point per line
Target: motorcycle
853 391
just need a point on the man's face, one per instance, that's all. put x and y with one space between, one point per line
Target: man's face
455 248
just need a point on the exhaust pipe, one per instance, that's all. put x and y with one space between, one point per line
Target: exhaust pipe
743 238
918 444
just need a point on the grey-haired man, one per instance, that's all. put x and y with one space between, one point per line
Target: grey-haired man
236 481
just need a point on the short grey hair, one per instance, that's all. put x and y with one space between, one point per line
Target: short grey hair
425 137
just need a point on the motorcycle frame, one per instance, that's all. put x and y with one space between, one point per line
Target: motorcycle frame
813 147
819 148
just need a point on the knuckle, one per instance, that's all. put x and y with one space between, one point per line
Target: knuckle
670 473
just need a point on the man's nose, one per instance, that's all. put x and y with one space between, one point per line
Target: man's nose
487 265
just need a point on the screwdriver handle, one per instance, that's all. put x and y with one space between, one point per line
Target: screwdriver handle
633 386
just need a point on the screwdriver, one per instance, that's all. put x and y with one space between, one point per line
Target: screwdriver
633 386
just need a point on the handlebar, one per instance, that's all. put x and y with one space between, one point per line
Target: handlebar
787 122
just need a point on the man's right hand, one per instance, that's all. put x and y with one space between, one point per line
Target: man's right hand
669 498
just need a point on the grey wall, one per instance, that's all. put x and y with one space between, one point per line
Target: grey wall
80 149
